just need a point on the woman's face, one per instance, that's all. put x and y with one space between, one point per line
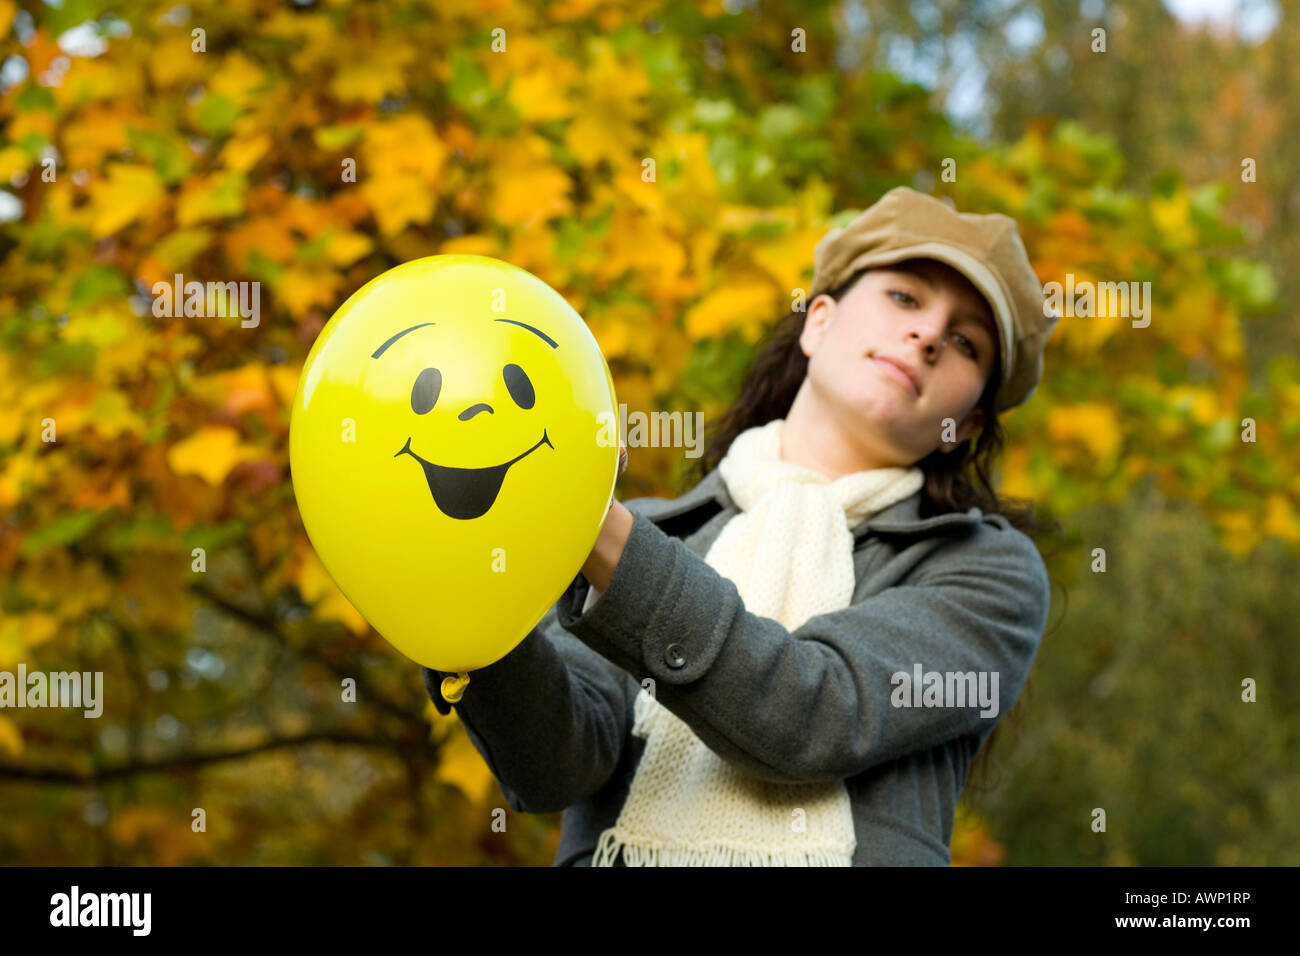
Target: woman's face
934 323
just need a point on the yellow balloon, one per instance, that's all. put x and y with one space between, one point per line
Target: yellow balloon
454 446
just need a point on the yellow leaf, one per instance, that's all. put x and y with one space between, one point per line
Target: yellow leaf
23 477
1239 531
401 166
319 589
99 327
406 144
398 200
1172 217
1280 519
527 186
594 136
173 62
789 258
745 302
38 627
12 648
90 80
218 196
98 131
236 390
13 161
179 248
1085 427
613 337
19 633
241 153
995 178
1202 402
695 189
471 245
371 79
237 78
345 247
211 452
284 380
11 738
299 289
461 765
541 95
110 415
268 236
1016 482
126 193
654 258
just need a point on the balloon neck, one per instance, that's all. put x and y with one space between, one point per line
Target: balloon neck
453 688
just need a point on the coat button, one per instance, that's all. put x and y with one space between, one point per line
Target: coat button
675 656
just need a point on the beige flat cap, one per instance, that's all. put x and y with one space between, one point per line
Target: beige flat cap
906 224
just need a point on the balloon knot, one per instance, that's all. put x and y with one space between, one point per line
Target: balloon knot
453 688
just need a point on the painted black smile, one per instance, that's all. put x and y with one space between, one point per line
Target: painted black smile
466 493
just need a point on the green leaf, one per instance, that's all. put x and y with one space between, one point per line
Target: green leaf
469 83
216 114
214 536
33 97
1250 284
166 154
313 250
336 137
142 530
61 532
96 284
1165 183
714 112
56 357
779 122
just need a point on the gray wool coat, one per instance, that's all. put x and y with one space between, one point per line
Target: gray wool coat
959 592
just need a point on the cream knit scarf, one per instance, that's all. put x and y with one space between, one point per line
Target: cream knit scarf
789 551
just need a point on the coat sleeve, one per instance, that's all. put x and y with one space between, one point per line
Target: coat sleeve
550 718
817 703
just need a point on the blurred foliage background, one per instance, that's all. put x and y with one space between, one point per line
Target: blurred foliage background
128 155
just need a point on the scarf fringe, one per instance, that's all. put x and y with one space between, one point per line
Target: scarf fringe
610 843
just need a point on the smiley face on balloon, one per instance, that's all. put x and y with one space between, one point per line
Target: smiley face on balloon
468 493
449 455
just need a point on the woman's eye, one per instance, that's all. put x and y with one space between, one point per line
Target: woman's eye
425 391
904 294
521 390
967 344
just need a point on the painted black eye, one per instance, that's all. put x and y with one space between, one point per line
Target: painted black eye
425 392
521 390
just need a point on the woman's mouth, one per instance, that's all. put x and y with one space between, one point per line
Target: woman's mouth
897 374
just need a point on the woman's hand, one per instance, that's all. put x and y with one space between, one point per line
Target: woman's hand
598 569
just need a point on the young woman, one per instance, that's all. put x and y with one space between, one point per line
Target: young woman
796 662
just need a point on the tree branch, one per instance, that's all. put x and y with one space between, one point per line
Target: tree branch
59 775
366 689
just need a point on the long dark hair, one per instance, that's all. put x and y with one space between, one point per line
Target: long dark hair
954 481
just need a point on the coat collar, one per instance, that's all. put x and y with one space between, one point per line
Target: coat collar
902 517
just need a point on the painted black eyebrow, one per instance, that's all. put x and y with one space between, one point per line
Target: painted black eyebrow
545 338
380 351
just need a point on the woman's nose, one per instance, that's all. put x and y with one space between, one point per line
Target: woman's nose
931 340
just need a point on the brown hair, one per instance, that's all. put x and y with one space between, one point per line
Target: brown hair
954 481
